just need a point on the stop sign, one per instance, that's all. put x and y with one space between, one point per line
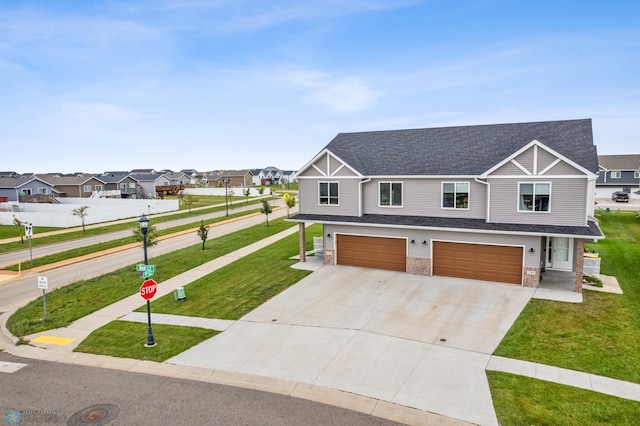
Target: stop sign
148 289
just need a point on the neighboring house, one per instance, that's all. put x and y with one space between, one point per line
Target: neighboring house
500 202
147 184
12 189
256 177
618 173
267 176
235 178
82 186
120 181
178 178
143 172
8 174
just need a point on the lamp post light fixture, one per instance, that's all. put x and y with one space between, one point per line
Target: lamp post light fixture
144 228
226 196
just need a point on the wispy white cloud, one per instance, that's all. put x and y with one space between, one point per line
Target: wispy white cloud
339 94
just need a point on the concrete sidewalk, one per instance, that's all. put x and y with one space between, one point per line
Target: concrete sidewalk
81 328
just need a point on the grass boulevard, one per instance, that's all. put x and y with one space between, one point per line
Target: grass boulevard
8 231
69 303
81 251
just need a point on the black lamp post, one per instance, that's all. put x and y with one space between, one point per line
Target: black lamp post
226 196
144 228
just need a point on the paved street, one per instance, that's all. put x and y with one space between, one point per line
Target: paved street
12 258
56 393
15 292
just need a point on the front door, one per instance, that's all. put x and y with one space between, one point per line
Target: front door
559 253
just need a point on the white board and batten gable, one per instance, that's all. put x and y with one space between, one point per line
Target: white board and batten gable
327 165
537 160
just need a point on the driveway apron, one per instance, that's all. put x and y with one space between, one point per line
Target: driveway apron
417 341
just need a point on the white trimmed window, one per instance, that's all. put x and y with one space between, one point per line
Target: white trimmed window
98 188
123 187
534 197
132 185
328 193
86 188
43 191
616 175
455 195
390 194
636 174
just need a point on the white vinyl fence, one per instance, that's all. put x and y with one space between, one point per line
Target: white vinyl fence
100 210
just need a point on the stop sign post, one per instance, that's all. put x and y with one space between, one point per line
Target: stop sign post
147 291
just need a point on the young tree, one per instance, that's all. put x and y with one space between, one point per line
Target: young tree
290 201
261 190
203 233
20 224
152 235
81 212
188 200
266 209
231 195
247 192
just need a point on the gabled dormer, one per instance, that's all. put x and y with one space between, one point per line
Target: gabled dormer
328 185
537 185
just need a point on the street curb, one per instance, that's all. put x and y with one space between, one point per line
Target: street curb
5 334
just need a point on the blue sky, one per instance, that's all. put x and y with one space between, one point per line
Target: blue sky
225 84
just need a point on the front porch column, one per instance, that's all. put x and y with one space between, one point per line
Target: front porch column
579 248
301 240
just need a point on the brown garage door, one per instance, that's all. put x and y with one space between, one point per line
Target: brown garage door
372 252
478 261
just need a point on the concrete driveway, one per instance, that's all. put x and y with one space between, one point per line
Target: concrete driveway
422 342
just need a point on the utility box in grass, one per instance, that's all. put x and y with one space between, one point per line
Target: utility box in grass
179 295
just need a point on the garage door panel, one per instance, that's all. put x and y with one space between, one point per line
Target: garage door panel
371 252
478 261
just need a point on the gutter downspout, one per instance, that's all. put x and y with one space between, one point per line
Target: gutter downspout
487 220
360 195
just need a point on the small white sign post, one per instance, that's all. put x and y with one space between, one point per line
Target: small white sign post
44 285
28 232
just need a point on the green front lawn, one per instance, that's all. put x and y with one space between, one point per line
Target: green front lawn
81 298
522 400
600 335
238 288
125 339
228 293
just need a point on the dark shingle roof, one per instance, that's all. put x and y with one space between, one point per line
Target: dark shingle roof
620 162
463 150
451 223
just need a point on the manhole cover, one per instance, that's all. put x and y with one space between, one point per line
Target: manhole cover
98 414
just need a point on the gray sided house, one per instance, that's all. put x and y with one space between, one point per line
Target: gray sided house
74 186
501 202
120 181
147 184
12 188
618 173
